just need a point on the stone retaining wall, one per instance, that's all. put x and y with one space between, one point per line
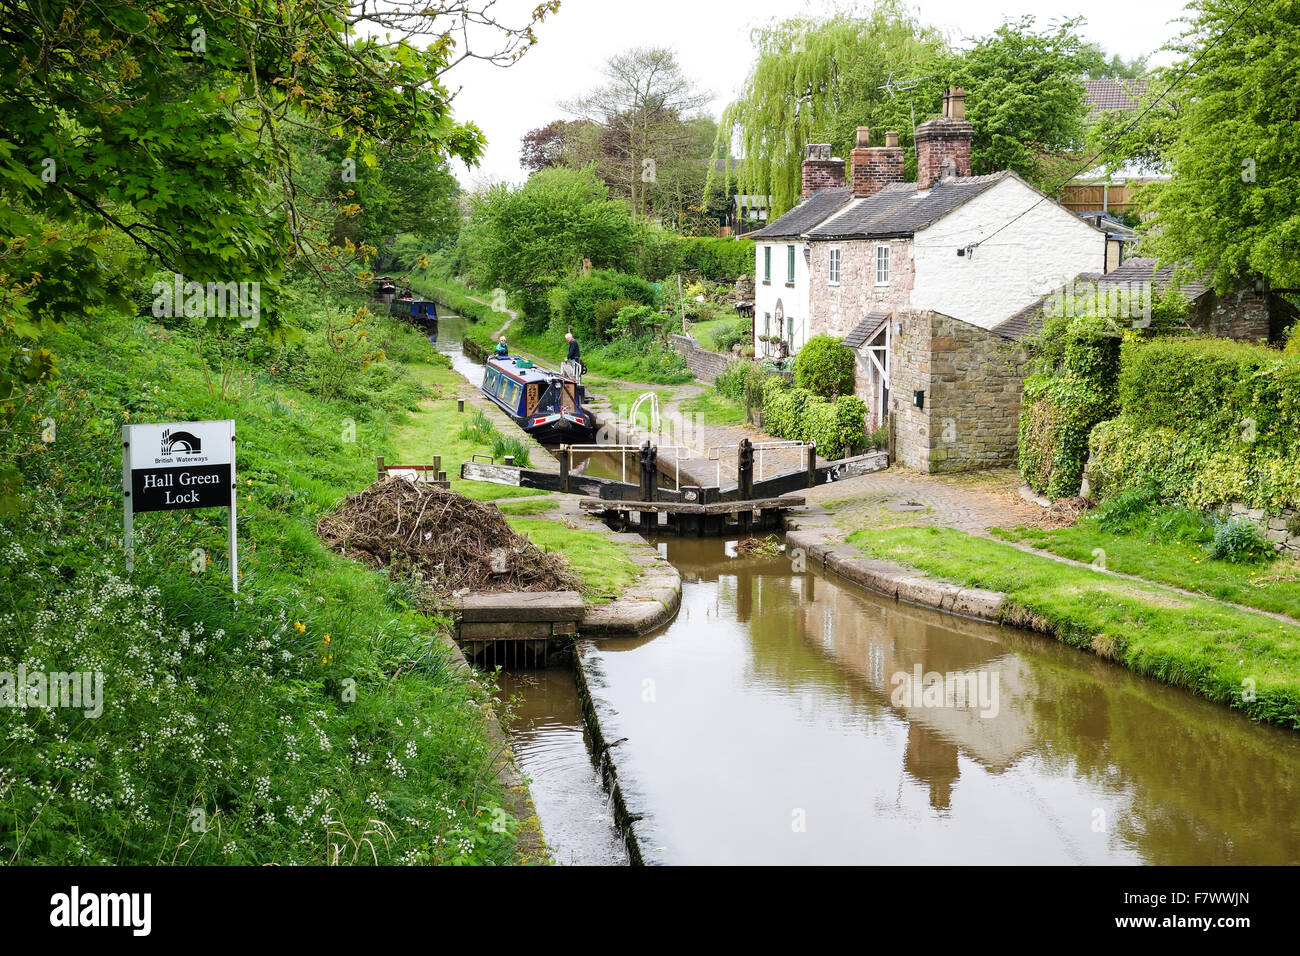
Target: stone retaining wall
704 365
1273 527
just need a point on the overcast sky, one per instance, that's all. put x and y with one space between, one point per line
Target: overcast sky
712 41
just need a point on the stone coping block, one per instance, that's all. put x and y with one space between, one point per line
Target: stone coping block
520 606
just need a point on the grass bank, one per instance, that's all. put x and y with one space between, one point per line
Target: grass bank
1236 657
314 718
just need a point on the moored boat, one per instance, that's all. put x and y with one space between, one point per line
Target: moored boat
546 404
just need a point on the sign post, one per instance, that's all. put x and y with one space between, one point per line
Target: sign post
179 465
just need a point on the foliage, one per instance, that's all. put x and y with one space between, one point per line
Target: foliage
641 124
230 732
825 367
1023 96
797 414
1238 541
504 446
712 258
1232 95
576 302
1058 414
732 334
1060 408
816 80
533 238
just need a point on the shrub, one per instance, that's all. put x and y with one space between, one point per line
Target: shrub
714 258
1057 416
784 408
879 437
605 314
837 427
1205 421
824 366
633 320
575 303
731 334
1238 541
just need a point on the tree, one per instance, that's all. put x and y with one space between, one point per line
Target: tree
135 137
816 80
641 113
1231 209
530 239
1025 98
549 145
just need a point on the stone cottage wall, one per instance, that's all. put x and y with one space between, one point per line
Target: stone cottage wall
972 380
837 309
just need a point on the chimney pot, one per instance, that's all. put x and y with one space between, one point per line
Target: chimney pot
957 103
891 138
864 136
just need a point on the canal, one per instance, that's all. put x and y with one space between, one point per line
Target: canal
788 716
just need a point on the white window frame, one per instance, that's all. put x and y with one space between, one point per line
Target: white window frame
882 260
789 264
767 263
833 266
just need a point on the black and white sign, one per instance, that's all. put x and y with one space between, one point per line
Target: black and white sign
167 466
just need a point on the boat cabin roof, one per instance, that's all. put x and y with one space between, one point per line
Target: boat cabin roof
519 367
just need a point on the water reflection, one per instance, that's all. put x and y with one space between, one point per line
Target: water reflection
780 729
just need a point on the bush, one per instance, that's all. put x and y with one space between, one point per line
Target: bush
825 366
1238 541
732 334
575 303
1205 421
1056 418
503 445
714 258
837 427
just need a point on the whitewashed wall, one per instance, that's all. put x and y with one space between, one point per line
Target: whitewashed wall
1037 253
794 300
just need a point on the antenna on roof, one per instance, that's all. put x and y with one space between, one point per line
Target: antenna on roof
907 86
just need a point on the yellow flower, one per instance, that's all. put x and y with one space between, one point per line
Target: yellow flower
299 626
325 639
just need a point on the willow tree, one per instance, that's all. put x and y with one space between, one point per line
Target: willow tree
817 80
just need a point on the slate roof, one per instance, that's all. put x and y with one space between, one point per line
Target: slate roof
809 213
866 330
1029 319
900 209
1102 96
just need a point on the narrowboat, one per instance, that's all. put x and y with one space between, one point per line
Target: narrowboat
418 310
546 404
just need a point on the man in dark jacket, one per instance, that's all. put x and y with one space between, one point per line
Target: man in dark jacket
573 362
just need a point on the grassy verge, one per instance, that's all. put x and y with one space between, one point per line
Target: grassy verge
603 566
316 709
1273 586
714 408
435 430
1249 662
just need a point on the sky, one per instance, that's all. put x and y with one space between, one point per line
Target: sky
711 38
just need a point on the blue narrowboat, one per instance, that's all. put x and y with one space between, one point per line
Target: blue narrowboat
418 310
547 405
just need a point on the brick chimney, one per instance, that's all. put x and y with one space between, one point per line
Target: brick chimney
875 167
820 169
943 143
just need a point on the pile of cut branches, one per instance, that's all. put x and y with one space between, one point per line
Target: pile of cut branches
450 542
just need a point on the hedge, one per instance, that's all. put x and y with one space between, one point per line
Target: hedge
714 258
576 302
1057 415
796 414
1059 409
1204 422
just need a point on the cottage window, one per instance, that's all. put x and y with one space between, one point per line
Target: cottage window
767 263
833 271
789 255
882 265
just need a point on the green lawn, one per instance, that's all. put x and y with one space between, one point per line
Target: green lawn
1273 586
435 430
603 565
1209 648
714 408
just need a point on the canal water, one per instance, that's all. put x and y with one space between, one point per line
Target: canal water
788 716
